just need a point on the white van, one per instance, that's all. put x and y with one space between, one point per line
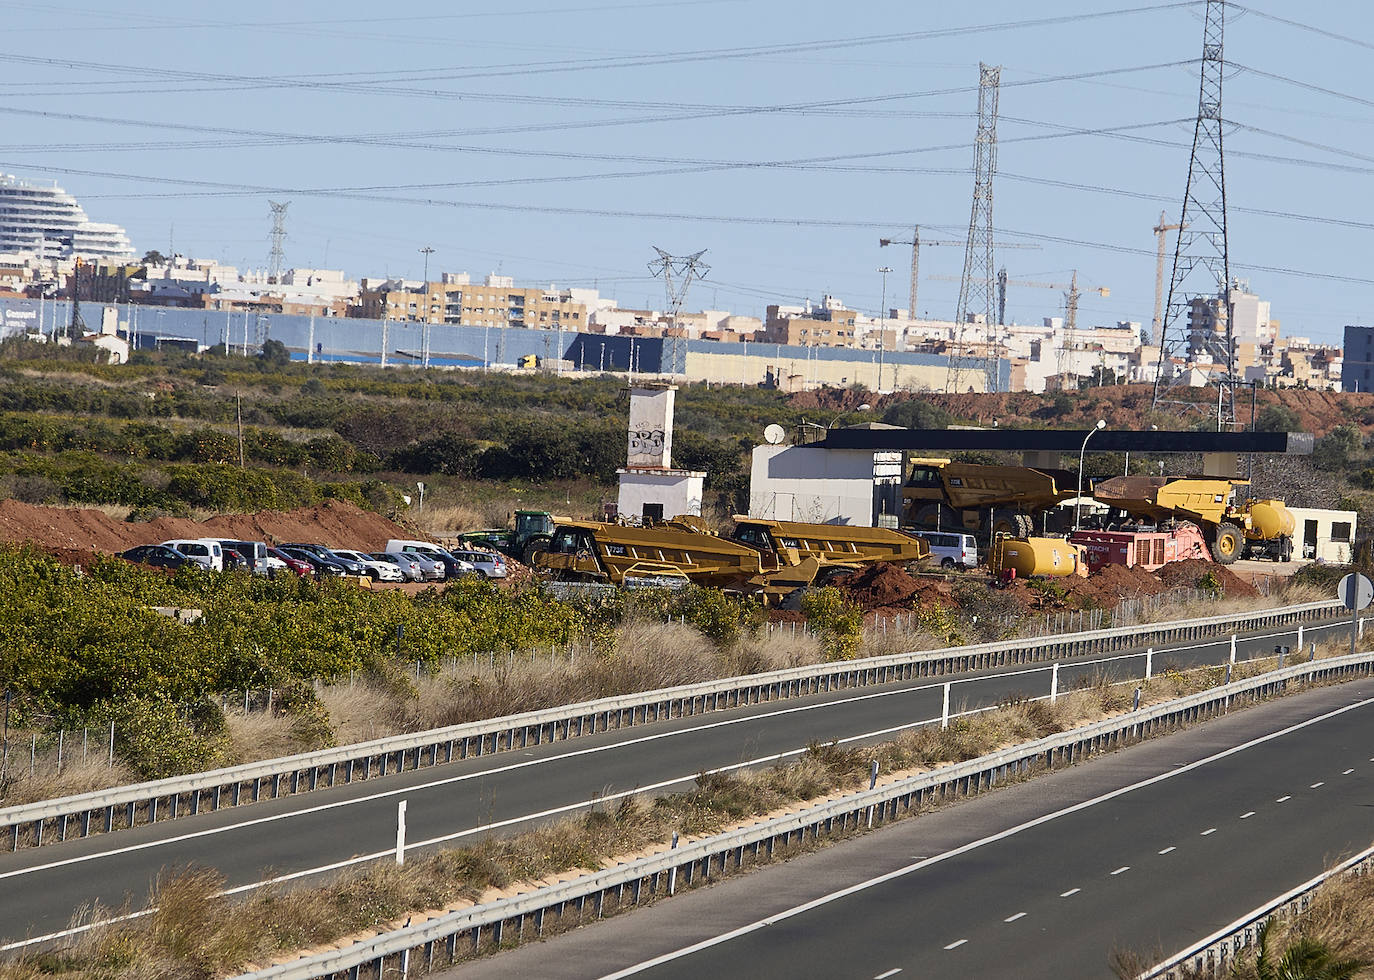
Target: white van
951 549
203 551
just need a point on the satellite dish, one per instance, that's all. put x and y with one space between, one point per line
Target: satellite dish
774 434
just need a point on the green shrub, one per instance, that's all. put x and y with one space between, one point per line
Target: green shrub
839 622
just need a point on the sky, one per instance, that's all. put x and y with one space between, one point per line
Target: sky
560 141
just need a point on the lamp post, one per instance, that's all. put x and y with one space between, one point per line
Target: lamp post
427 251
1078 500
882 329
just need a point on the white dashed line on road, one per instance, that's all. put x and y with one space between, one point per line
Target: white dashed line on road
1168 849
1071 891
1315 785
1013 918
1247 816
1347 772
890 973
1209 830
956 944
1283 799
1121 870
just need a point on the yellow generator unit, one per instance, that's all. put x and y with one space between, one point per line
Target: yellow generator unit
1045 557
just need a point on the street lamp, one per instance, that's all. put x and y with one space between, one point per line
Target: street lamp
1078 500
882 329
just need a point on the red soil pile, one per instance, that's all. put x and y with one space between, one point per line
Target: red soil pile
888 586
1185 574
334 523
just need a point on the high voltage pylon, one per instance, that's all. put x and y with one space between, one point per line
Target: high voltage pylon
1202 268
976 290
277 257
678 271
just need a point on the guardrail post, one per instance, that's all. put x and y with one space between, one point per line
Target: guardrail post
401 832
944 712
1054 683
1313 654
1135 705
1233 644
1149 662
672 872
1299 636
872 782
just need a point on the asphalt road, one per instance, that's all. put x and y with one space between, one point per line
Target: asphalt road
1042 879
41 889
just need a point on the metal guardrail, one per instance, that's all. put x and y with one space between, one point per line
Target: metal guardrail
1214 955
658 874
34 824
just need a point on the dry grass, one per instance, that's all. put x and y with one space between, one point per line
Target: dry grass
198 933
1291 594
46 783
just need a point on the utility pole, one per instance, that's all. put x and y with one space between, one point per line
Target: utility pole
882 329
1202 265
976 289
276 259
77 326
1162 235
427 251
678 272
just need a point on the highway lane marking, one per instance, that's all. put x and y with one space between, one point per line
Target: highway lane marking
576 753
1283 799
1347 772
1121 870
1071 891
1315 785
1247 816
1013 918
956 944
890 973
1168 849
963 849
1210 830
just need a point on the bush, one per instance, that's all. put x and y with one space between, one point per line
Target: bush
839 622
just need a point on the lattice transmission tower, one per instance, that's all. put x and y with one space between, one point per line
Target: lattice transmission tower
1198 314
678 273
277 257
977 289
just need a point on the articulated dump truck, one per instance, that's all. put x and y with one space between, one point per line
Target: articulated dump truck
1255 528
771 559
943 495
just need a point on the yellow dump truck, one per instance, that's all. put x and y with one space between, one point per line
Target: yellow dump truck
943 495
780 558
1254 528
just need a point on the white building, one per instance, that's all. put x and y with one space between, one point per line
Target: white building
825 486
44 220
650 488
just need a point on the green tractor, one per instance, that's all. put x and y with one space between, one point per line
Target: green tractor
532 534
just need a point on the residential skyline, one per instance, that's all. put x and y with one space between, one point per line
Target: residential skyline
560 144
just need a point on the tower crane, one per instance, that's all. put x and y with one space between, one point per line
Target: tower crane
1161 231
917 243
1071 296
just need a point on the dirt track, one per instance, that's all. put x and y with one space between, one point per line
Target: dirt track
333 523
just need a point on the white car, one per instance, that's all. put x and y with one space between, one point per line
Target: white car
202 551
488 563
378 571
409 566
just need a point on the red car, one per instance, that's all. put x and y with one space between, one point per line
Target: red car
301 568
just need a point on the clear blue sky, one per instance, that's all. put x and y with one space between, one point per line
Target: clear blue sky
558 140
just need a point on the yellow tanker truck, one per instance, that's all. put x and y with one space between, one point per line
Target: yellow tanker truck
1255 528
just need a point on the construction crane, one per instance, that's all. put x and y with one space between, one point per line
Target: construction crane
1162 234
1072 295
917 243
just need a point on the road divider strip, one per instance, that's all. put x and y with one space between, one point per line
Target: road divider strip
437 941
108 810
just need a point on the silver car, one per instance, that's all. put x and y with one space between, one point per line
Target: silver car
488 563
431 569
406 564
378 571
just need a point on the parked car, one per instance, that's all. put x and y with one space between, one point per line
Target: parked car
290 562
206 551
319 567
453 567
158 555
406 564
951 548
431 568
349 565
489 563
270 566
254 552
378 571
233 561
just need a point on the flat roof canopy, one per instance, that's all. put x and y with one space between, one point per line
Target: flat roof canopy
1149 441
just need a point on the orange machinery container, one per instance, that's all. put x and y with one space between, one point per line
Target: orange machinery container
1150 549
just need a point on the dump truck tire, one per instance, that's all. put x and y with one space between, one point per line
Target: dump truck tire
1007 522
1229 544
533 547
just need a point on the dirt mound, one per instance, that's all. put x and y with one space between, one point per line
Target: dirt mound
888 586
1109 585
1185 575
333 522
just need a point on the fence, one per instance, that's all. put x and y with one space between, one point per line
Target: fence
437 942
1214 955
128 806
